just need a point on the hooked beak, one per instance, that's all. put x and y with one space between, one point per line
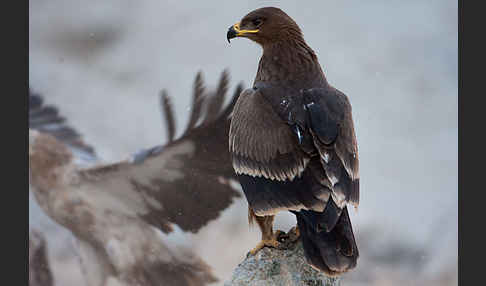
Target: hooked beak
235 31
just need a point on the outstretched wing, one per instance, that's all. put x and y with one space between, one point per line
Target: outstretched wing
114 209
294 151
46 119
187 181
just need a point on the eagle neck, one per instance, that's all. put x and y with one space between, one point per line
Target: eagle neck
291 63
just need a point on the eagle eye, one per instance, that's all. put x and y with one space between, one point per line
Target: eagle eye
257 22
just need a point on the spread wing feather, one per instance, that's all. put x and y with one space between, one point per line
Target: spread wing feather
112 209
197 101
46 119
168 113
187 181
217 99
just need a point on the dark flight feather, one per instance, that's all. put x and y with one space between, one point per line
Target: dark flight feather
168 113
320 117
334 252
197 101
46 118
217 99
228 111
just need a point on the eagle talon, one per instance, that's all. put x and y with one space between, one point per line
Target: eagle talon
288 239
294 234
269 243
273 242
281 236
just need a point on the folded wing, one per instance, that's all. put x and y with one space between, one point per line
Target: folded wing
292 150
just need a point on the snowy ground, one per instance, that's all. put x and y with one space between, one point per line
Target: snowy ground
104 62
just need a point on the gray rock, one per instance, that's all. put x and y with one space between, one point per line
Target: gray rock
282 267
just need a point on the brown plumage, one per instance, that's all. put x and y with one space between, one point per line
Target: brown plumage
293 144
121 213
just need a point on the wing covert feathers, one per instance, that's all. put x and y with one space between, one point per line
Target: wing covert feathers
261 144
197 99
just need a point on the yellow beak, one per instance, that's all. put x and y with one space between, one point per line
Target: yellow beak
235 31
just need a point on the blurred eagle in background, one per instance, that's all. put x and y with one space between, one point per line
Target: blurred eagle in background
120 213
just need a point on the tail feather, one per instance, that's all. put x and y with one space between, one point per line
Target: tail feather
325 220
334 251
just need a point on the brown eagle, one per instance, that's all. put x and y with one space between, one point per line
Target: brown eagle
293 144
121 213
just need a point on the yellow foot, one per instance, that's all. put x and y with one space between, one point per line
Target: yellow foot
273 242
263 243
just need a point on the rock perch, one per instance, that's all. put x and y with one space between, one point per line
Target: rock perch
280 267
